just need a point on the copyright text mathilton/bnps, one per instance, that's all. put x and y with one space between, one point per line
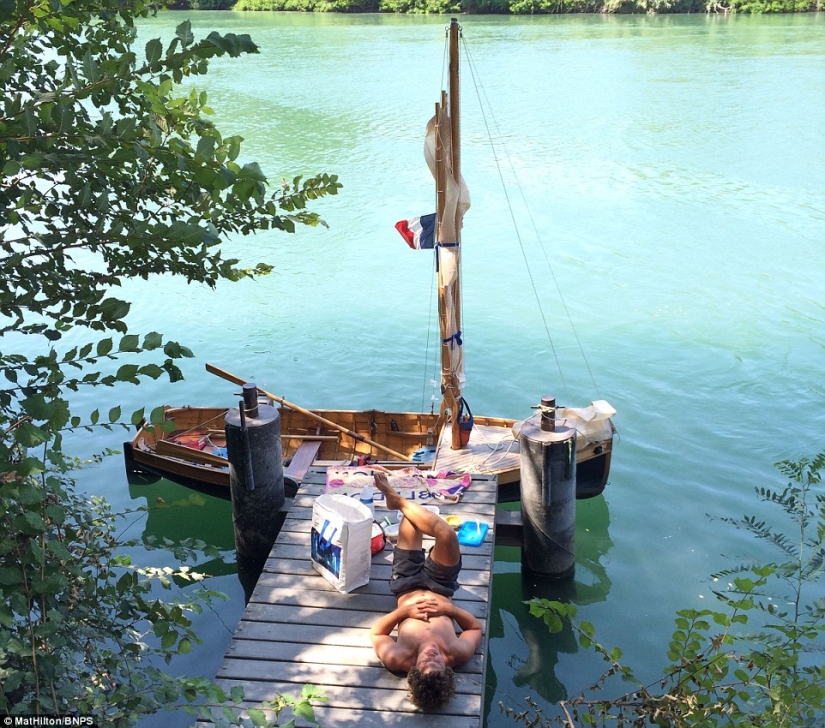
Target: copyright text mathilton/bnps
47 721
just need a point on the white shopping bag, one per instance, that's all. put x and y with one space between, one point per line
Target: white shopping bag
340 538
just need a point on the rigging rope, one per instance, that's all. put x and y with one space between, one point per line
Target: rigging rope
482 99
201 425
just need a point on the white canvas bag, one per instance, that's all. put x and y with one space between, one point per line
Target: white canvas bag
340 541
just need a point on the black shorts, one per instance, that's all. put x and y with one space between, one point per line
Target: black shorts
413 570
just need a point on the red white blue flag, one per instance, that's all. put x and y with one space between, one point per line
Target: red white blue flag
419 232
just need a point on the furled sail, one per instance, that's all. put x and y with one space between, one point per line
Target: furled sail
457 196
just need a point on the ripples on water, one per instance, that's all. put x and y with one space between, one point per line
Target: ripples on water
675 169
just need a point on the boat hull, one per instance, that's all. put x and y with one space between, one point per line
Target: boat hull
190 447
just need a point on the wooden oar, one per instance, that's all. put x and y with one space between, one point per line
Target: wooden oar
212 369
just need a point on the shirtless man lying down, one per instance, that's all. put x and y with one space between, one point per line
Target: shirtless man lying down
427 646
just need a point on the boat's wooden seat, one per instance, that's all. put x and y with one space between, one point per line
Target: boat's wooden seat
303 458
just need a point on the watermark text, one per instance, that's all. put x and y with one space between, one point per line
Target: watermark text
47 721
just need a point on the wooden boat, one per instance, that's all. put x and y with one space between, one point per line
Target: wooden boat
192 449
195 450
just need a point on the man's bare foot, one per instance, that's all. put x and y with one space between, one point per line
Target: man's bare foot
394 501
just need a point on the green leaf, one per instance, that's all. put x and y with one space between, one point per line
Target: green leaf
30 436
157 415
125 583
100 191
129 343
58 550
206 148
114 309
13 682
184 32
304 710
128 373
6 619
29 523
553 622
104 346
174 350
258 717
154 51
91 69
152 341
56 513
37 407
7 9
151 370
236 694
229 715
10 577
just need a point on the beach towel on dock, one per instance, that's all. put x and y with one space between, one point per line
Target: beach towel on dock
412 483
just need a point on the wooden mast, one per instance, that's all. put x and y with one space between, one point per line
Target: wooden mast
450 299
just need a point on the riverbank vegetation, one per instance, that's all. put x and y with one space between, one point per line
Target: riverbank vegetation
514 7
756 660
107 175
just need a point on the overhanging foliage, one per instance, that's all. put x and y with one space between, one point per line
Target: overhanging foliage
754 661
106 174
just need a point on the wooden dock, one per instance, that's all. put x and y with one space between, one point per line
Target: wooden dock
298 629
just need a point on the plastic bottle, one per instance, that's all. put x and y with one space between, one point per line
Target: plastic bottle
367 499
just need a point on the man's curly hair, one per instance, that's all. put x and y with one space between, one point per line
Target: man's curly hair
432 690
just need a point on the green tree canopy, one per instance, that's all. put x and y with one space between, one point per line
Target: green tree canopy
106 174
109 171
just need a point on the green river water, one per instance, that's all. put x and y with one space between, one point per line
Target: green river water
675 168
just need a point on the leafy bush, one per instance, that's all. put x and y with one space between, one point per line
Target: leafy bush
106 175
76 611
747 664
491 7
439 7
515 7
758 7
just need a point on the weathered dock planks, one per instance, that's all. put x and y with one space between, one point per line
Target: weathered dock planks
298 629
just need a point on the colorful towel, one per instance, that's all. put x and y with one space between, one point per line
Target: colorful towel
414 484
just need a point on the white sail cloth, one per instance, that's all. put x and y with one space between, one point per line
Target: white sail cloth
592 422
457 196
448 235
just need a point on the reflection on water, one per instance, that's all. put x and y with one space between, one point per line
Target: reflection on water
179 519
524 655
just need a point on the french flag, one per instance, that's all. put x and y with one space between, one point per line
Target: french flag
419 232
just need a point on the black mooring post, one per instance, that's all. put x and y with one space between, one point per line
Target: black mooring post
256 481
548 493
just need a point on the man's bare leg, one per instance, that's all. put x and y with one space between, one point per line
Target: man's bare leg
418 521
